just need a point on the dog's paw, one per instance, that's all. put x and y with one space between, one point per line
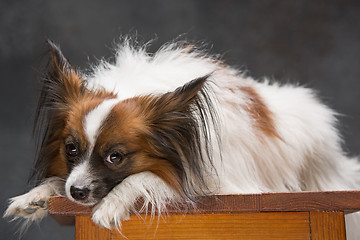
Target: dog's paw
109 213
32 205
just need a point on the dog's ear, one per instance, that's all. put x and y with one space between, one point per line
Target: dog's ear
180 99
59 65
62 84
169 106
61 87
173 131
189 91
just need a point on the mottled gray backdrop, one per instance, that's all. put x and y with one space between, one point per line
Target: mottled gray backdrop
315 43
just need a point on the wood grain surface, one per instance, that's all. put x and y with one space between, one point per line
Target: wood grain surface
347 201
250 226
327 225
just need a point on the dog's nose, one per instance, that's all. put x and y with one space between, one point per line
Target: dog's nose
79 193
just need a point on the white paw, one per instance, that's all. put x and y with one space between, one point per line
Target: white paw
32 205
109 213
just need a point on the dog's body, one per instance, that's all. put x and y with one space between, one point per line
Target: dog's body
174 125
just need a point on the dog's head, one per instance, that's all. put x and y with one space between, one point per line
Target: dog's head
94 140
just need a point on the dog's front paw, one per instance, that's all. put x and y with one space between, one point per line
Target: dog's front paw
109 213
32 205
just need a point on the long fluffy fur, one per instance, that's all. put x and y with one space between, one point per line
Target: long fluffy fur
220 131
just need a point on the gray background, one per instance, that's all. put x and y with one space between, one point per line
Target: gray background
315 43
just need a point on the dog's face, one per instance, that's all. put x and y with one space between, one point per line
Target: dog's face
109 142
104 146
95 140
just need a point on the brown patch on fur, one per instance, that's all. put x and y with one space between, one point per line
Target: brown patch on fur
58 168
259 112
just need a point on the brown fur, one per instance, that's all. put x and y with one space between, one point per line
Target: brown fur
58 166
259 112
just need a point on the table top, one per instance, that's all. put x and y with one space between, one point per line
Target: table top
347 201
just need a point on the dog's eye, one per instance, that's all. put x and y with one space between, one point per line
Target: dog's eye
114 158
71 150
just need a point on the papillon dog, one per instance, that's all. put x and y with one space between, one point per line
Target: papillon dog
173 125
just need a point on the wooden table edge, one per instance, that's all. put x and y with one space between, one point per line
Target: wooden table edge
346 201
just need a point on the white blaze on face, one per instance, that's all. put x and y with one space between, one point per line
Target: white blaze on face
94 119
81 176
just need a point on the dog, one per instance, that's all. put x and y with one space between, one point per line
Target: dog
174 125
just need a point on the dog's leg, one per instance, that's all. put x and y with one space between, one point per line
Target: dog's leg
34 204
116 206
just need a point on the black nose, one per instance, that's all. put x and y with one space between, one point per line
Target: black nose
79 193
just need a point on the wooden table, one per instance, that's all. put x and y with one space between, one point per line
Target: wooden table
296 215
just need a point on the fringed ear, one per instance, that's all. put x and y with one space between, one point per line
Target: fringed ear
182 97
190 90
59 65
61 86
62 83
179 131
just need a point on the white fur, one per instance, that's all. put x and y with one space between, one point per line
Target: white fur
136 72
94 119
307 156
118 204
